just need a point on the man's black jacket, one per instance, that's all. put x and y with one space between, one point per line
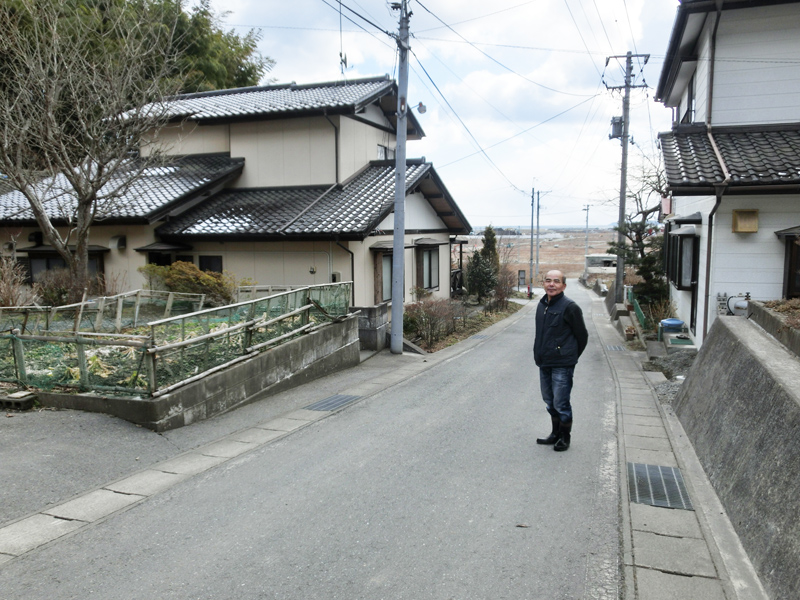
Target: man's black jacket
561 335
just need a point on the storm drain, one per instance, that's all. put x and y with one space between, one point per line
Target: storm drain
657 486
616 348
333 402
479 337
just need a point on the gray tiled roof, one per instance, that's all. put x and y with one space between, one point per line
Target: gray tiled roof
279 100
159 188
353 209
766 157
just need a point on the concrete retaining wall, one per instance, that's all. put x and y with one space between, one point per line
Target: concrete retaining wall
740 407
332 348
774 324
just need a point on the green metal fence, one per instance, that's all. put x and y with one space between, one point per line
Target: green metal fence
151 358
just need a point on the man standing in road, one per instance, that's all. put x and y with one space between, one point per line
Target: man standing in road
561 338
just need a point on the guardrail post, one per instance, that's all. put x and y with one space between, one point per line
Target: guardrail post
83 367
170 300
19 356
98 320
118 321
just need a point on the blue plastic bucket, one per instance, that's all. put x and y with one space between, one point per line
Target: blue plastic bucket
672 325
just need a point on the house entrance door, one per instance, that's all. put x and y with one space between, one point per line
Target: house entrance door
793 270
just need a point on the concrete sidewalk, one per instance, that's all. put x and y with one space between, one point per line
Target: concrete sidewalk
668 553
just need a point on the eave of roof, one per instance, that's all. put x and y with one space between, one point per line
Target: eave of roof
758 160
682 39
351 210
160 190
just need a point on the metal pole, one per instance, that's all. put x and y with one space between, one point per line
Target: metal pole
398 248
619 291
530 267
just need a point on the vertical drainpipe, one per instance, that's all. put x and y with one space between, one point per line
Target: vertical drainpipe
335 144
352 270
722 187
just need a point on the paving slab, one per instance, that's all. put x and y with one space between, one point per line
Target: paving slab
645 431
655 377
5 558
665 521
655 585
307 415
227 448
644 411
146 483
648 443
686 556
283 424
651 457
256 435
27 534
648 421
93 506
191 463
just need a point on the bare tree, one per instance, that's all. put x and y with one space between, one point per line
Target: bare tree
646 187
81 89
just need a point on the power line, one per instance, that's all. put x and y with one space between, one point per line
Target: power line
581 36
464 125
494 59
521 132
477 18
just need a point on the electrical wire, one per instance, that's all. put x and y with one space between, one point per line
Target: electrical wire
357 25
581 36
464 125
494 60
481 17
563 112
602 24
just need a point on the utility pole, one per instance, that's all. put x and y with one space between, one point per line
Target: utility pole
538 205
586 251
398 247
619 286
530 267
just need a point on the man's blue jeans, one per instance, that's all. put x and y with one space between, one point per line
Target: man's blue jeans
556 386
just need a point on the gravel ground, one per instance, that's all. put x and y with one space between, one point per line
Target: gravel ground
676 367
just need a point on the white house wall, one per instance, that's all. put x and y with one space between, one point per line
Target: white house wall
701 77
756 72
358 144
419 215
740 262
191 138
286 152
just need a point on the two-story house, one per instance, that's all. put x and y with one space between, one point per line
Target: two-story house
282 184
732 158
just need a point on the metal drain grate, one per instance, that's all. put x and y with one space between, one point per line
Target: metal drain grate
333 402
479 337
657 486
616 348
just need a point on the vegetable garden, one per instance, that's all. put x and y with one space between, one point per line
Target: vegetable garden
146 343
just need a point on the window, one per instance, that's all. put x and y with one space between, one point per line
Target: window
386 277
682 256
428 268
210 263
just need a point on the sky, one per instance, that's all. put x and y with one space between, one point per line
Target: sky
516 92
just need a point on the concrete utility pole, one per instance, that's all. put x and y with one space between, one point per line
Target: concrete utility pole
398 248
538 205
586 251
619 286
530 267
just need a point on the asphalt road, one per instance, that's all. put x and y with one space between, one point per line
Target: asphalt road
433 488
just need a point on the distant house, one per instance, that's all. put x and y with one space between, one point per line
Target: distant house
282 184
732 157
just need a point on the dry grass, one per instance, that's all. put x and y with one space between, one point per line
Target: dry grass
788 309
475 324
